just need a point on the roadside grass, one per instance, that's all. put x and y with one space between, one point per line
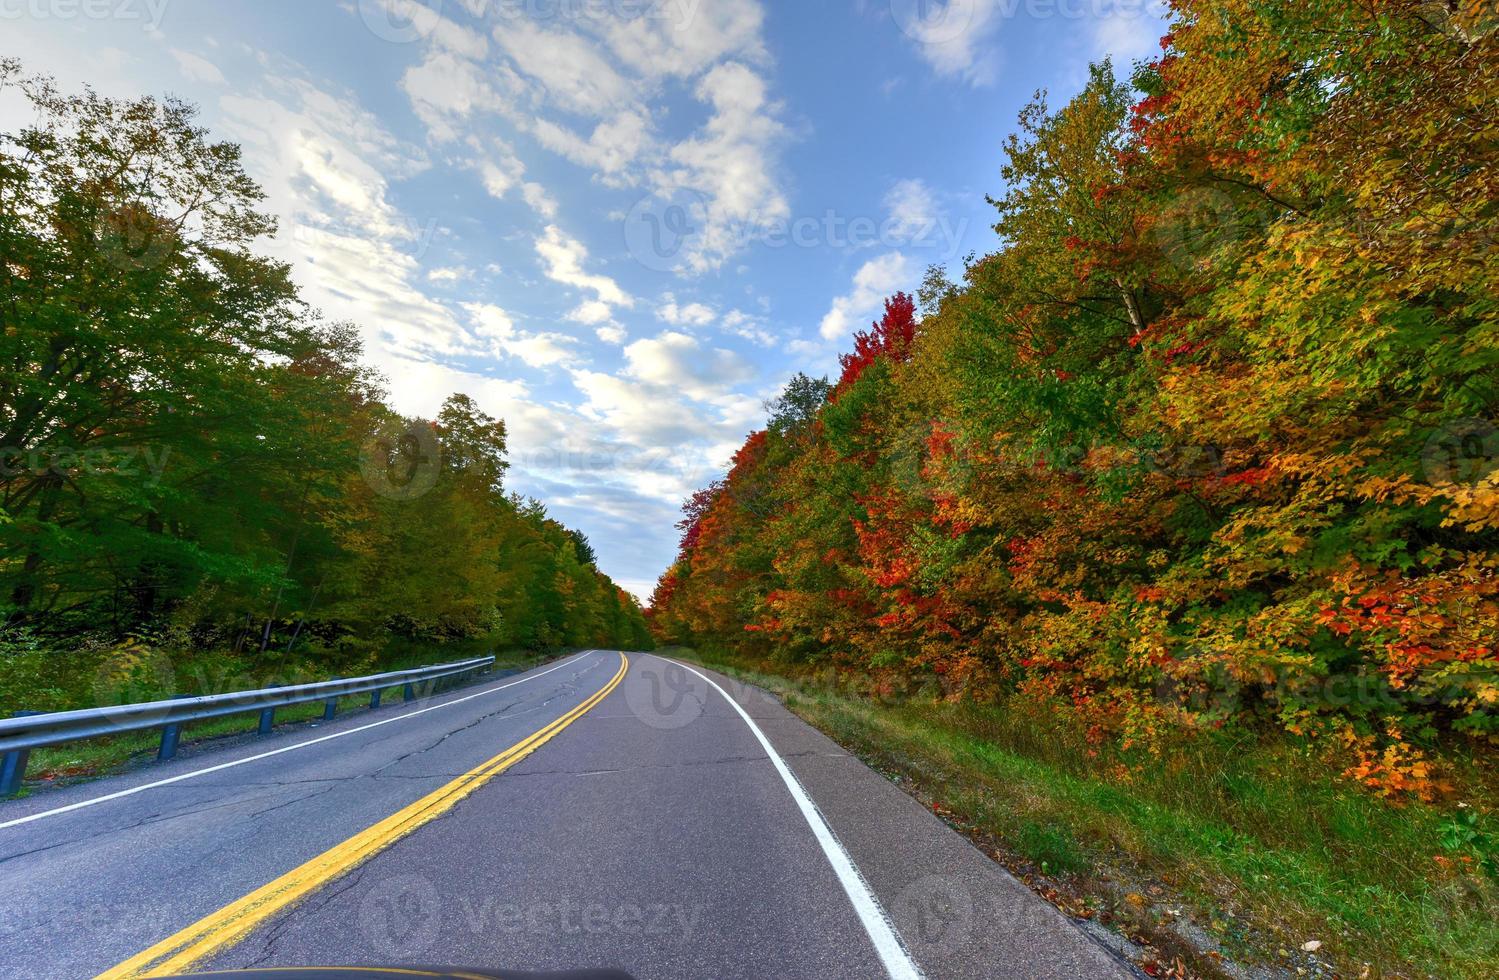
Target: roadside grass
102 756
1261 846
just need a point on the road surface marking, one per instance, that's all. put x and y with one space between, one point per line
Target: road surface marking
177 953
361 970
289 748
887 944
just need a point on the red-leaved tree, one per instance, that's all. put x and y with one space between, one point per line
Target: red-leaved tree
892 337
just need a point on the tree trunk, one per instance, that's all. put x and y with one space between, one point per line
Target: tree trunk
25 589
1132 305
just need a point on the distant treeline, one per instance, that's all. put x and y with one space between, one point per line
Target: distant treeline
190 457
1207 445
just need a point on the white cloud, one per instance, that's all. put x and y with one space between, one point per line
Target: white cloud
491 323
449 274
407 20
591 312
960 39
728 163
426 384
654 416
326 166
876 279
539 199
675 405
689 314
500 170
592 90
537 350
372 282
542 349
309 136
570 70
687 36
447 89
956 38
1127 32
615 144
198 68
912 209
742 324
613 333
563 257
678 360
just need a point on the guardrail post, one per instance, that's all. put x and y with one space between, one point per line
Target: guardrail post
170 736
330 706
267 721
409 692
375 698
13 763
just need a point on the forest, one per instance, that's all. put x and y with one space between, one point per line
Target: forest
1154 547
1204 451
202 487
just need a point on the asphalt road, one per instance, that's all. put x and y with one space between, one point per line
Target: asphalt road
674 825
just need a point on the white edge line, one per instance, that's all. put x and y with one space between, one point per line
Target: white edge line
892 952
289 748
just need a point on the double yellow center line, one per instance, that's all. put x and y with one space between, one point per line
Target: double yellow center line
234 922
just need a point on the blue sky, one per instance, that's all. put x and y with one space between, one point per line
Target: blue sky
618 224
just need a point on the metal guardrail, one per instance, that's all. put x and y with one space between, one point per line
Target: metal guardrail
29 730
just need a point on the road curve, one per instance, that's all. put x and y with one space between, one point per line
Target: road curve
658 819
